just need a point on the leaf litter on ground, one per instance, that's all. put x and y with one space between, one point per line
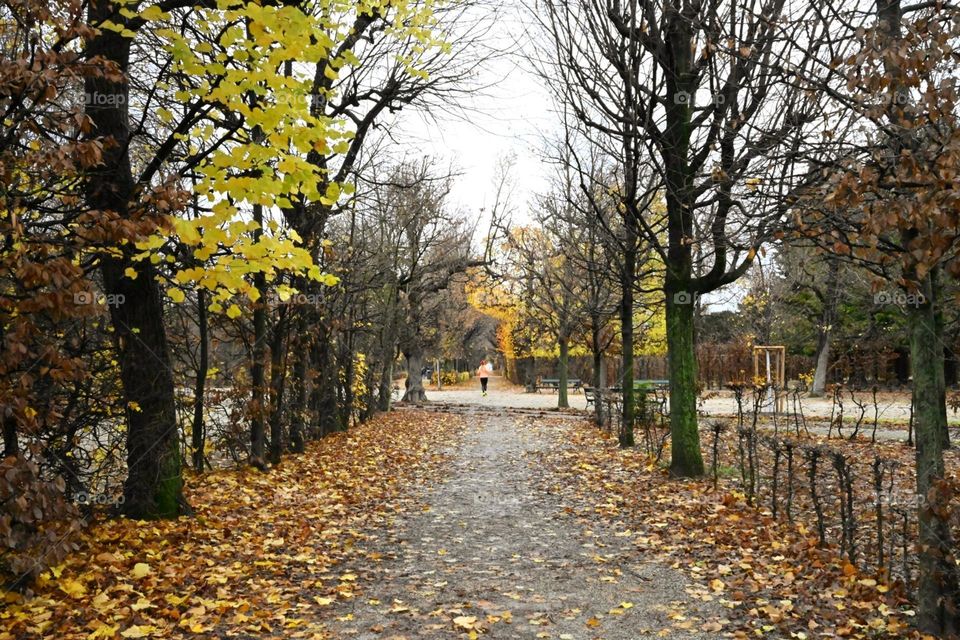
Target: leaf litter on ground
260 556
772 577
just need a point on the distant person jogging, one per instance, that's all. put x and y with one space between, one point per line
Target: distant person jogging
482 372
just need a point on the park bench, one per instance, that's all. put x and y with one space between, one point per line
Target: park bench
652 395
648 386
590 394
554 384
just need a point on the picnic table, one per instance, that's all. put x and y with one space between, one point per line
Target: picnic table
554 384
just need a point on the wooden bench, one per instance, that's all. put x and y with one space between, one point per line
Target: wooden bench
554 384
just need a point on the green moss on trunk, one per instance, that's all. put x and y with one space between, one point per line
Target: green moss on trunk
686 459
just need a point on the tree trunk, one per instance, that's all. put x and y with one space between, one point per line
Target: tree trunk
314 402
199 428
823 363
11 443
258 355
597 378
153 488
349 373
278 375
562 401
299 408
325 383
686 459
386 383
370 402
937 579
626 337
827 318
685 456
415 392
936 287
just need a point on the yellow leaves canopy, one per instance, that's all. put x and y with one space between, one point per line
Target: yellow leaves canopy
259 67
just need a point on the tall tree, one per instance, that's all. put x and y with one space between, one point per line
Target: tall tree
550 283
706 89
891 207
153 486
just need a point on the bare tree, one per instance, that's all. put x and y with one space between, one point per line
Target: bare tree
705 93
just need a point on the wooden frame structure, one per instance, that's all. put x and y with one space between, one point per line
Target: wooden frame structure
774 364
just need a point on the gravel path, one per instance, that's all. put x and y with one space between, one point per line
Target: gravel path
816 410
495 555
502 394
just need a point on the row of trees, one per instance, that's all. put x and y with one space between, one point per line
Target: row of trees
210 246
696 134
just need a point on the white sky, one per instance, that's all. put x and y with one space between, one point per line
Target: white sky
509 117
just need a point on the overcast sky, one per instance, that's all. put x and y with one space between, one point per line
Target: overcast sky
509 117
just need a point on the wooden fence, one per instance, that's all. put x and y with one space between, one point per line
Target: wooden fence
720 363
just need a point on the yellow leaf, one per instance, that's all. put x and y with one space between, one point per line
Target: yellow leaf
141 604
130 272
176 294
104 631
140 570
138 631
465 622
154 13
72 588
234 312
